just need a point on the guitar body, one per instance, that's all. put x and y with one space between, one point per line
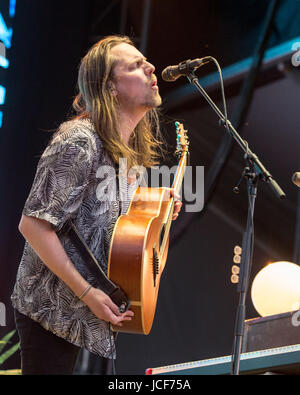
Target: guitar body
136 257
140 242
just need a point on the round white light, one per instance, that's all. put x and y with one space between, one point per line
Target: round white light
276 289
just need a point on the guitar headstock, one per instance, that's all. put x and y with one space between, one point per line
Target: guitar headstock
182 139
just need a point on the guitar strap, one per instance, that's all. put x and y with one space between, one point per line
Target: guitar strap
105 284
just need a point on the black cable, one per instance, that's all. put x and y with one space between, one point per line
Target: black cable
222 90
224 100
112 346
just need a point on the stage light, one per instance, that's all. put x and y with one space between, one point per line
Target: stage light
2 94
4 62
276 289
12 8
6 32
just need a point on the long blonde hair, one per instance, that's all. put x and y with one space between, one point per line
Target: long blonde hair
96 101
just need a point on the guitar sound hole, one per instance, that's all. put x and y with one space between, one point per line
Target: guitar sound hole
161 236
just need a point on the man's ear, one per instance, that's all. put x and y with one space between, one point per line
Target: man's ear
112 88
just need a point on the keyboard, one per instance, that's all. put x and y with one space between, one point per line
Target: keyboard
281 360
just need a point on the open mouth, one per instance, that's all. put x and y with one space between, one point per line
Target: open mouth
154 84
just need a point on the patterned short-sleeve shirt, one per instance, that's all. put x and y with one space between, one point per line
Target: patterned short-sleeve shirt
75 179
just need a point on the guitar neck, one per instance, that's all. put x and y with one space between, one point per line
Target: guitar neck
180 173
176 186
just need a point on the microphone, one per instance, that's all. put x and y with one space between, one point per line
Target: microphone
171 73
296 179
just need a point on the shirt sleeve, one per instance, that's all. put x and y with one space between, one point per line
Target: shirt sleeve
58 189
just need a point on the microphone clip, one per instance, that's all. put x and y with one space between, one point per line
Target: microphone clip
248 174
186 67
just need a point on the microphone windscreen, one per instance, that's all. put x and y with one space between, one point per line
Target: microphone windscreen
170 74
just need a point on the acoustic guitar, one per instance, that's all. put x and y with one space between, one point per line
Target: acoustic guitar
140 243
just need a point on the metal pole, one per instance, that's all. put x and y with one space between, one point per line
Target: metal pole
296 256
242 108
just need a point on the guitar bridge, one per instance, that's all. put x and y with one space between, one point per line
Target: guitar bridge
155 264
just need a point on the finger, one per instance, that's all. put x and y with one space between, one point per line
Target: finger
177 209
119 320
116 318
113 307
177 205
129 313
174 194
126 319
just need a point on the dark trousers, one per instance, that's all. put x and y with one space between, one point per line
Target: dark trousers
42 352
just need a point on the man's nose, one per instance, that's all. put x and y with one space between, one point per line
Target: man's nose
149 68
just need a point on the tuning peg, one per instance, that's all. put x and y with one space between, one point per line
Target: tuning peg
237 255
237 259
237 250
234 278
235 269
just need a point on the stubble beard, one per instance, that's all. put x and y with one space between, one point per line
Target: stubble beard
153 102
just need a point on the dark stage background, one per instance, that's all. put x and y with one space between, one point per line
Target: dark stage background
197 301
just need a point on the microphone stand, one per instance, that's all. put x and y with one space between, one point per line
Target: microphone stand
253 172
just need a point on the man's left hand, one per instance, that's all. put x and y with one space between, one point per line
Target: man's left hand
177 204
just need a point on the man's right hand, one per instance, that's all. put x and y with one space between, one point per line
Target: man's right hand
44 240
104 308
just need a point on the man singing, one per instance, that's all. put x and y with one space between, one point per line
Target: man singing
58 307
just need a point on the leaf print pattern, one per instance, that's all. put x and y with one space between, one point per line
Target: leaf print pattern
64 188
